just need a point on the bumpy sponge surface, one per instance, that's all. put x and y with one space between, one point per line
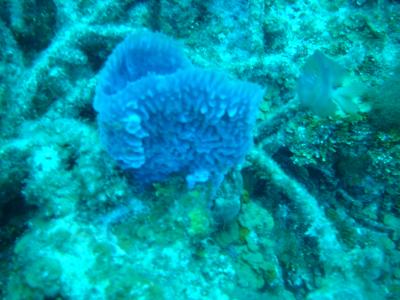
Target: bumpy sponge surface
159 115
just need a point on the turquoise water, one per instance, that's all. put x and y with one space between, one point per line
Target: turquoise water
248 150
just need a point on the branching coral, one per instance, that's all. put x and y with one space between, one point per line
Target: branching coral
77 37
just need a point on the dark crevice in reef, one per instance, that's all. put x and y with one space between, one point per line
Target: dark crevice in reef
97 50
203 15
45 95
57 297
154 14
33 25
14 214
318 181
71 160
14 211
5 13
87 114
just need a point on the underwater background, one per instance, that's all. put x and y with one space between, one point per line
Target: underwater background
214 149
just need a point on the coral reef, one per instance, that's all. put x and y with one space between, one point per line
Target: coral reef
313 212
